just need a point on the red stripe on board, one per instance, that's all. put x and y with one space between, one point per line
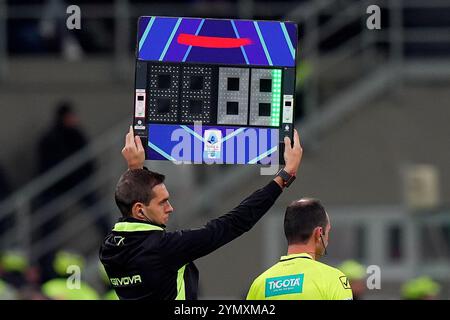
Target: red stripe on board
212 42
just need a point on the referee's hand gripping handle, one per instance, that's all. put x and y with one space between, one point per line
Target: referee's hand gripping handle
133 151
292 154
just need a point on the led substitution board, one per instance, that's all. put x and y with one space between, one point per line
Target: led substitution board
214 90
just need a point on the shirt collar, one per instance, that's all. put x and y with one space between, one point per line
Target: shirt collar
296 255
140 224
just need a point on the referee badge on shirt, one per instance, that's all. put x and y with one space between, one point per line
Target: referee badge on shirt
345 283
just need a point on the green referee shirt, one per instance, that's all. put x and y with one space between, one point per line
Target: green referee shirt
299 277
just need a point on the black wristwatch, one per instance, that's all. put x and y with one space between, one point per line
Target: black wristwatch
287 178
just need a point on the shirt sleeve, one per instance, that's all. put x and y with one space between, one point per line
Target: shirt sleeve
252 292
256 291
181 247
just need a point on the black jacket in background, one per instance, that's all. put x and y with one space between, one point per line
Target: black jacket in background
55 146
143 261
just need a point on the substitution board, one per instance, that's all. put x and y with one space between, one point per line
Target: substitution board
214 90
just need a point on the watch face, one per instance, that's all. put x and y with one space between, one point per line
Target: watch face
287 178
284 175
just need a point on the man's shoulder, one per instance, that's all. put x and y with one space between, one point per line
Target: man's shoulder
271 272
328 270
47 137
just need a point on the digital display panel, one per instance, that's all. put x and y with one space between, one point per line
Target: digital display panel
214 90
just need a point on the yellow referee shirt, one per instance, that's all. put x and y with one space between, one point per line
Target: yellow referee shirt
299 277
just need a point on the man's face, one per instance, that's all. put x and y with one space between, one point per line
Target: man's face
71 120
159 208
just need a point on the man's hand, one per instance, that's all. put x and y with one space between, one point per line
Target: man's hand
292 155
133 152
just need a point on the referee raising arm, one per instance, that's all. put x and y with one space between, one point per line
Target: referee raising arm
143 260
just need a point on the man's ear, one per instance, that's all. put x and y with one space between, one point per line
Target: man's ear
136 210
318 232
314 234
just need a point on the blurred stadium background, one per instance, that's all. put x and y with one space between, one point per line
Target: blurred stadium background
372 110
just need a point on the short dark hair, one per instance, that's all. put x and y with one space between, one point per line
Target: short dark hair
136 186
62 109
301 218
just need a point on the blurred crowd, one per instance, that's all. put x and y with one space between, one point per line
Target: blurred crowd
422 287
53 274
20 280
48 33
62 139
